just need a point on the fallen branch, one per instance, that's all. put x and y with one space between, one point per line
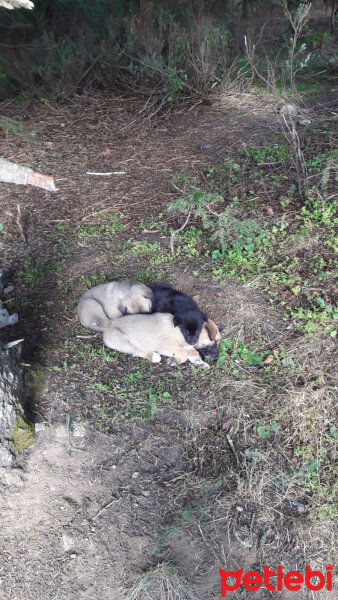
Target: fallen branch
108 173
174 233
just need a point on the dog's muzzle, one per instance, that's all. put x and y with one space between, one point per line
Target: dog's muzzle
209 351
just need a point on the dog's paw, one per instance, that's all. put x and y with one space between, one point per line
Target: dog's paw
203 365
155 357
198 362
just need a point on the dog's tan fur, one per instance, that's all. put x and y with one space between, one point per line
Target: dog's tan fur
154 335
98 306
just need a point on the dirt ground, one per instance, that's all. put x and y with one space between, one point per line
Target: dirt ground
151 469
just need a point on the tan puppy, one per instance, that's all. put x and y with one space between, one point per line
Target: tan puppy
150 336
111 300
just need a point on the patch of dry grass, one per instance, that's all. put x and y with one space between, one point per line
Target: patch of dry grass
163 582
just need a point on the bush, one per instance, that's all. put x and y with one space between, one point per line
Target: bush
140 47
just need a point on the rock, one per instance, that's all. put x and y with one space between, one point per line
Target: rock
6 457
11 389
40 427
79 430
288 362
6 318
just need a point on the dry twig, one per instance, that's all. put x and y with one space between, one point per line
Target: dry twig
174 233
290 133
19 223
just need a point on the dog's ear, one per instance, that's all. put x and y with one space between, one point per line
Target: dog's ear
123 309
177 320
211 329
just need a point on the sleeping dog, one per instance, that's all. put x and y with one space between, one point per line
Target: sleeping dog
154 335
187 315
107 301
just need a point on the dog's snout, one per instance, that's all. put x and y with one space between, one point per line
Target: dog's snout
209 351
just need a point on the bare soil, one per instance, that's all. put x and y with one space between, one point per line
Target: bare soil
131 487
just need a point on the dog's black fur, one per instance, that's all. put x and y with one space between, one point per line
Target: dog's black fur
187 315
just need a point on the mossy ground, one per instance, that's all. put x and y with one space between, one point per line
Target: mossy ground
23 435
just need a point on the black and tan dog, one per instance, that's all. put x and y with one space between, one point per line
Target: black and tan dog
155 335
108 301
187 314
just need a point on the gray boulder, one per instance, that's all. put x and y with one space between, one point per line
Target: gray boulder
11 389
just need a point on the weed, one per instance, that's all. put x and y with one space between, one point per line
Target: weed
314 473
89 281
319 211
316 164
192 240
32 273
275 153
265 431
105 225
286 200
313 319
11 126
231 350
155 224
198 201
239 238
65 366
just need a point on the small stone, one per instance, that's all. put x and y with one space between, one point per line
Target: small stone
146 493
250 454
67 542
79 430
305 122
6 457
73 555
288 362
135 475
40 427
206 146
